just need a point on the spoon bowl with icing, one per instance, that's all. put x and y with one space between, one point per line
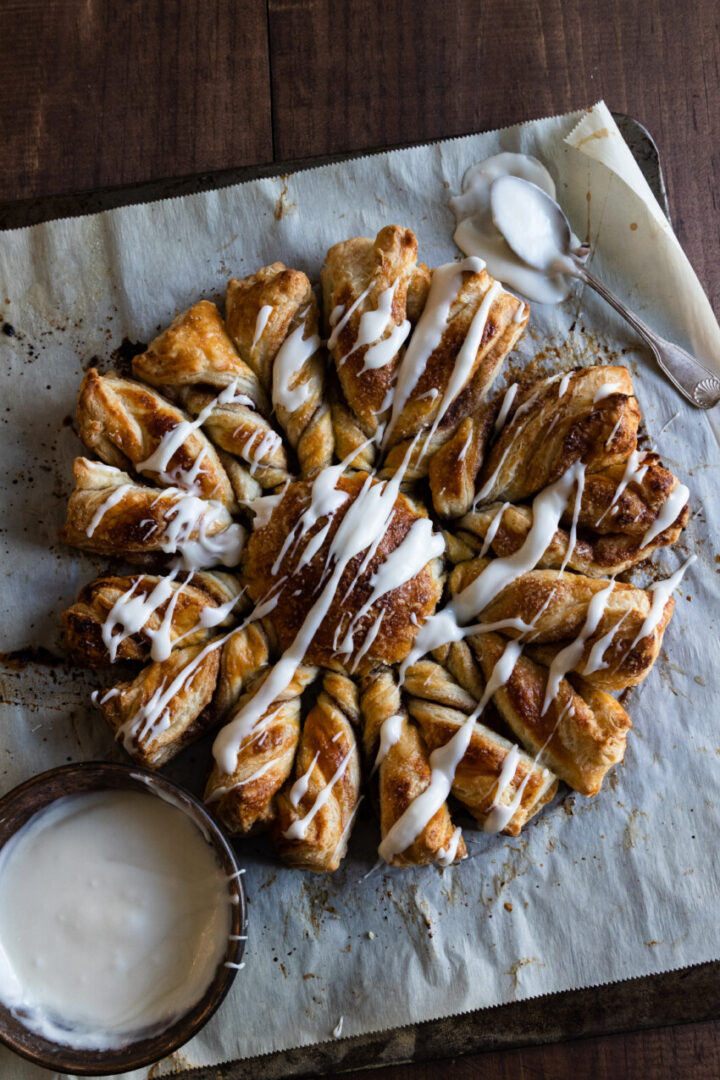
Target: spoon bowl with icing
122 918
538 232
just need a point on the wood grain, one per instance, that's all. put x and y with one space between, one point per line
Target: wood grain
101 93
383 72
96 94
691 1051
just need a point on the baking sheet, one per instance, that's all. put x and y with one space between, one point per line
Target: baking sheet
595 890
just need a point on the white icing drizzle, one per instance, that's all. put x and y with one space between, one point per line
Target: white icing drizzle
261 322
302 783
390 732
158 463
492 530
339 326
570 656
444 761
152 717
337 1030
371 329
595 660
298 829
325 499
465 447
608 388
547 509
613 433
364 524
130 613
336 313
446 856
419 545
384 351
661 591
667 516
294 352
497 819
505 407
190 515
491 481
444 289
112 500
369 639
465 359
564 383
634 473
572 539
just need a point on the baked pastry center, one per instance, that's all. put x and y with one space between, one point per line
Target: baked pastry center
382 597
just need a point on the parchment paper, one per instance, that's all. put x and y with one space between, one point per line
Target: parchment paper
594 890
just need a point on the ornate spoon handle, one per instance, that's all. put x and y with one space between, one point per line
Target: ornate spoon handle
694 381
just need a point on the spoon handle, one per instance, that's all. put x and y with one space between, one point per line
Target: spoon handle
694 381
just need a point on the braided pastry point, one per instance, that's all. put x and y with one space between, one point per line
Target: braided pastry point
316 813
468 327
127 423
144 616
111 514
580 738
195 361
365 288
272 318
244 800
166 707
394 749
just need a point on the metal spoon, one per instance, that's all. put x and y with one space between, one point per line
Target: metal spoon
542 238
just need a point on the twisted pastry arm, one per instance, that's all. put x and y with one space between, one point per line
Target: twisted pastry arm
125 423
365 285
478 782
194 360
579 736
166 706
286 356
547 432
315 814
245 653
97 618
557 607
452 385
591 554
394 747
109 513
453 468
244 800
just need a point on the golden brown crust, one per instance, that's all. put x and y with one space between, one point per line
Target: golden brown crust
505 321
195 360
354 268
580 740
165 707
286 292
244 800
397 629
85 620
245 653
109 513
313 834
592 554
477 777
454 467
556 604
403 772
124 423
547 432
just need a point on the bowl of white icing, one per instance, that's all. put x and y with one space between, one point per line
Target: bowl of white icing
122 918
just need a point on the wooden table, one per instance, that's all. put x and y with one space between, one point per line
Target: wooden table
100 94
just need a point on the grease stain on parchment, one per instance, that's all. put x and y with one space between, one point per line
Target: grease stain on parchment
284 206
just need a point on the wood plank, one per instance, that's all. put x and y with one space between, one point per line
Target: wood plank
691 1050
383 72
98 93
